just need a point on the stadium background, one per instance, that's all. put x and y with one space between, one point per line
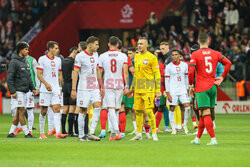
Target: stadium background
175 21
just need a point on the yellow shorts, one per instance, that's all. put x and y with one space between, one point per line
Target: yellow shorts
143 101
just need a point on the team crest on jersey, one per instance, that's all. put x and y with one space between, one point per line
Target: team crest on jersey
145 61
178 69
19 102
92 59
42 100
53 64
81 102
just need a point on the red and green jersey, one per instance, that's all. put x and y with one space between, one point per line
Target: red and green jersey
204 61
162 71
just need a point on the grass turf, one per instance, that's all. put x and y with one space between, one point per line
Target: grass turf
232 133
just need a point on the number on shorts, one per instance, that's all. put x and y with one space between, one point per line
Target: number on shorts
179 78
113 65
209 67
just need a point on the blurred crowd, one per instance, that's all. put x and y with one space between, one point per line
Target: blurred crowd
16 18
226 21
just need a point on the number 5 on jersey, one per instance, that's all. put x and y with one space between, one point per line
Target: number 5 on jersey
209 67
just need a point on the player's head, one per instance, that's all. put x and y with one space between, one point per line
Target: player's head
203 38
157 51
92 44
22 48
114 42
53 48
131 52
176 55
142 44
119 45
194 48
164 47
82 46
73 51
136 50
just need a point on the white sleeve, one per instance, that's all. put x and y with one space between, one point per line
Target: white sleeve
100 61
167 79
125 59
35 65
40 64
77 62
186 76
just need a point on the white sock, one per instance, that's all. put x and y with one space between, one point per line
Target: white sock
196 138
186 115
117 116
213 139
50 114
214 126
95 120
81 123
103 131
25 129
30 118
139 134
18 125
110 126
12 129
42 123
171 119
57 122
13 112
135 127
113 120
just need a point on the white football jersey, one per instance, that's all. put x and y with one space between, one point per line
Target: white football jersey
178 78
112 62
50 68
88 73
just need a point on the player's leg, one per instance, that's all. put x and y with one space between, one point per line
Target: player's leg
14 123
139 109
159 114
133 117
76 114
186 105
193 115
51 127
64 118
122 120
171 113
29 108
166 118
177 114
103 120
146 125
72 109
121 116
56 107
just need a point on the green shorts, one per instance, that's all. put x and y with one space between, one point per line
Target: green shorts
163 100
129 102
206 99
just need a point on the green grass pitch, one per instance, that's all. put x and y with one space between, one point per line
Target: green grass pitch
232 133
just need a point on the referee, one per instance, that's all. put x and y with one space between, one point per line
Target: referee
69 104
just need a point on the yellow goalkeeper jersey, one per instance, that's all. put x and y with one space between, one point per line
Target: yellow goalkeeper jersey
147 77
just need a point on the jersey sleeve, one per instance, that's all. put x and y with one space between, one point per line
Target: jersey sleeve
129 63
226 62
125 59
40 65
192 69
100 61
157 74
77 63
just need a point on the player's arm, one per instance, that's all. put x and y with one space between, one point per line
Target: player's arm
227 63
167 83
61 81
126 77
34 65
31 85
157 76
186 77
74 81
130 66
191 75
40 77
100 79
10 79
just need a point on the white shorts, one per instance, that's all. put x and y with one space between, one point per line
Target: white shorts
20 101
49 98
61 99
183 99
113 98
86 98
30 100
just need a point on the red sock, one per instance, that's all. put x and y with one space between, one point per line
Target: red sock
147 127
122 120
103 118
158 117
154 111
182 121
194 119
209 125
200 127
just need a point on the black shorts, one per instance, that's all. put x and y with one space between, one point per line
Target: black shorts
67 87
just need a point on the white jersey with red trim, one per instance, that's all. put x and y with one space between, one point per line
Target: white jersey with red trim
50 68
112 62
88 74
177 84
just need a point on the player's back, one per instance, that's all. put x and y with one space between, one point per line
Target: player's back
112 62
206 61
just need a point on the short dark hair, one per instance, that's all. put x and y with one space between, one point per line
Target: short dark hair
21 45
132 49
83 45
203 37
176 50
51 44
119 44
163 43
92 39
113 40
72 49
